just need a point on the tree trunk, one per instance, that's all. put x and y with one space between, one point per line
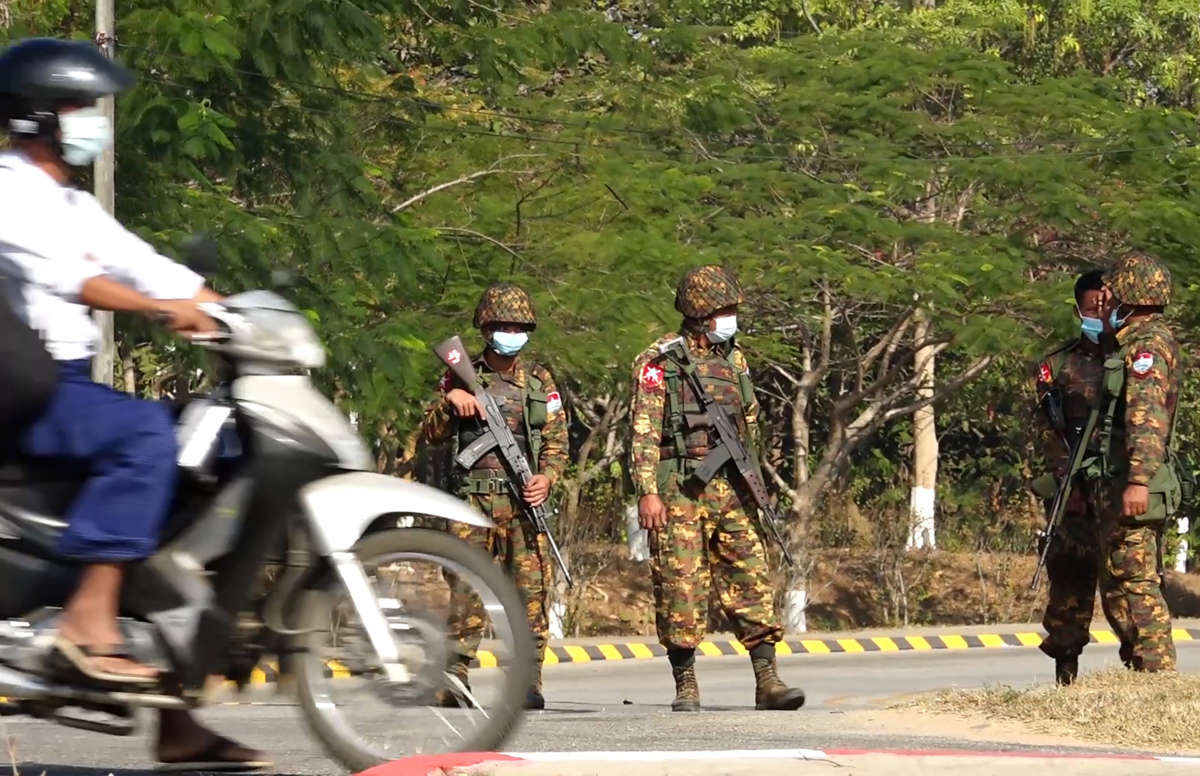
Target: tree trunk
925 444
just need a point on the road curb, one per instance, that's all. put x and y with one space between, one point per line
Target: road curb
431 765
268 673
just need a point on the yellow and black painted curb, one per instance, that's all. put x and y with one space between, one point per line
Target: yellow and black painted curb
642 650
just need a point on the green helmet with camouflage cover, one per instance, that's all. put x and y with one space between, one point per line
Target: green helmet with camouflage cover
707 289
1139 280
505 303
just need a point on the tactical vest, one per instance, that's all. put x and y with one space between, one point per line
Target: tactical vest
687 432
1167 486
525 411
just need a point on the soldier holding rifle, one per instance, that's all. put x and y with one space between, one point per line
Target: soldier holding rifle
508 483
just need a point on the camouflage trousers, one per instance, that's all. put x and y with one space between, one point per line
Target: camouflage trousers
1131 587
1073 569
710 545
522 552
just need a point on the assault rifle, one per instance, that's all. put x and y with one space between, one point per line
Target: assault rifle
499 437
1052 404
729 446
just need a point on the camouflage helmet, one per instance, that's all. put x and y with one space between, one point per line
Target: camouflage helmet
1139 280
707 289
505 303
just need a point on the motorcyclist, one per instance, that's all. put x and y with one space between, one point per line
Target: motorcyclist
62 254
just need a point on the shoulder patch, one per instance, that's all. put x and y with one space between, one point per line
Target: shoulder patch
553 402
651 376
1143 363
1045 373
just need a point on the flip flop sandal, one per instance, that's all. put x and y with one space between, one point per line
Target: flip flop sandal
80 657
222 756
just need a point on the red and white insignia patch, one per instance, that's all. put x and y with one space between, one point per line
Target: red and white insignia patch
553 402
1143 364
444 383
652 376
1044 373
454 356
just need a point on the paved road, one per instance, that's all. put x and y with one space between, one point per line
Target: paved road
625 705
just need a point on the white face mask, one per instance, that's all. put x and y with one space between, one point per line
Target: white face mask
725 328
85 134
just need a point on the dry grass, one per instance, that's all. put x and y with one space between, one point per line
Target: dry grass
1146 711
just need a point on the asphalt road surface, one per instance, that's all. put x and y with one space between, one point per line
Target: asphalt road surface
625 706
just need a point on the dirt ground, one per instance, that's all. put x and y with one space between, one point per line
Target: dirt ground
850 589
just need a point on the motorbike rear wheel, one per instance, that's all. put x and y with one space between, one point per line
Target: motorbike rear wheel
337 658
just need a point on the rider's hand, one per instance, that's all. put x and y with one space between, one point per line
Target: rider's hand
1135 501
184 316
464 404
536 490
652 512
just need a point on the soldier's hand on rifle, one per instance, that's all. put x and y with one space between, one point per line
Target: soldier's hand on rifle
1135 501
652 512
536 490
465 404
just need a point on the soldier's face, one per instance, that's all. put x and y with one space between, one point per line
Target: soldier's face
1091 304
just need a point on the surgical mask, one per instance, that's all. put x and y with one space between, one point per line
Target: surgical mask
1116 322
85 134
1092 328
725 328
509 343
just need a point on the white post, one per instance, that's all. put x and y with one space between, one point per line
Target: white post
105 190
639 538
795 611
1181 555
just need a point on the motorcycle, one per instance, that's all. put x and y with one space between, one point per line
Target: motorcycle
355 606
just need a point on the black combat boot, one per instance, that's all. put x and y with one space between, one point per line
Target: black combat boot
448 697
770 693
687 691
1065 670
534 700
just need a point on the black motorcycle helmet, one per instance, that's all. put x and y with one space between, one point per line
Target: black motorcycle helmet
39 75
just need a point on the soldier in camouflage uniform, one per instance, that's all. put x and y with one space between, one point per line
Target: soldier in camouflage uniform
1075 372
533 408
702 535
1140 489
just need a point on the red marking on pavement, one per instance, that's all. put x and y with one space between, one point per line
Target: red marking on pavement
436 764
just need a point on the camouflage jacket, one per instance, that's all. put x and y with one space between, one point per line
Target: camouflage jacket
1146 408
1077 371
650 398
440 423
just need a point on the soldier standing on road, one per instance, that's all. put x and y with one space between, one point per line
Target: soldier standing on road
702 535
533 409
1140 489
1072 376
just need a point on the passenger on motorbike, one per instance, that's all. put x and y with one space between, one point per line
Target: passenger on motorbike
62 254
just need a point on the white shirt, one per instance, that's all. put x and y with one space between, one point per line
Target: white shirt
53 239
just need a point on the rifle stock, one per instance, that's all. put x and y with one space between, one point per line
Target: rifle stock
498 437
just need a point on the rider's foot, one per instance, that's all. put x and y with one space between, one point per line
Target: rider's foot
185 744
88 633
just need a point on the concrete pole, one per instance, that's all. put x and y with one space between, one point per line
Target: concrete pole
105 189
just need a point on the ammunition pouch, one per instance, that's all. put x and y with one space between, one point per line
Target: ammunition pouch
1045 487
1166 494
483 483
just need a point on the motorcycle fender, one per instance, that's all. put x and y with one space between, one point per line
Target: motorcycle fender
339 509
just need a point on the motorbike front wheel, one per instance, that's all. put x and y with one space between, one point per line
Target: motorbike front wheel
441 597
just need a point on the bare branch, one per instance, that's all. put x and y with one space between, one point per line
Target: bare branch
779 481
970 373
481 236
457 181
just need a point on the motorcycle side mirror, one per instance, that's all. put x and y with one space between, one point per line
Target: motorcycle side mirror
200 255
282 279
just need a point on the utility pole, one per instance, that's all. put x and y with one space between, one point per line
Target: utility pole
105 190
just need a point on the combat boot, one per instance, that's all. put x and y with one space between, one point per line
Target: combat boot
1065 670
770 693
687 690
446 697
534 700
